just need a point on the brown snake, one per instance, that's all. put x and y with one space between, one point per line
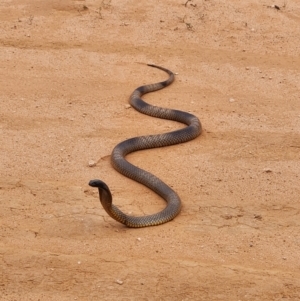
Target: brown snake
119 162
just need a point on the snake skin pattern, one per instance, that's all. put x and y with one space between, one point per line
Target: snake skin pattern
119 162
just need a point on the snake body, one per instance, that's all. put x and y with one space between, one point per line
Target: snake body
119 162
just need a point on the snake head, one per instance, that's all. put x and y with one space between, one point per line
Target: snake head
98 183
104 193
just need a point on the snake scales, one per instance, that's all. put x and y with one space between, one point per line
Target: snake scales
119 162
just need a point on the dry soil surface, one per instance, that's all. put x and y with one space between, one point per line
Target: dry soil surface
67 69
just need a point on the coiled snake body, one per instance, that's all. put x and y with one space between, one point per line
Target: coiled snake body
119 162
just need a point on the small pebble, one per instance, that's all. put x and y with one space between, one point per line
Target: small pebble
275 6
267 170
119 281
127 106
231 100
139 239
92 163
79 262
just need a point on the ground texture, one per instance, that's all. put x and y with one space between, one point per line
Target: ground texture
67 69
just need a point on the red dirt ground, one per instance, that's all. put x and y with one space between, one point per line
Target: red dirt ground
67 69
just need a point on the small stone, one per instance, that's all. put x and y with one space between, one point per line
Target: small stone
231 100
79 262
139 239
267 170
119 281
92 163
127 106
275 6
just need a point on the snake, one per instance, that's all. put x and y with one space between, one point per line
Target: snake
173 202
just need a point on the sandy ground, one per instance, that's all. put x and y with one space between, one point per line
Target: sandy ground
67 69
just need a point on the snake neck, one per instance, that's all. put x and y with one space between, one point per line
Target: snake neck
113 211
